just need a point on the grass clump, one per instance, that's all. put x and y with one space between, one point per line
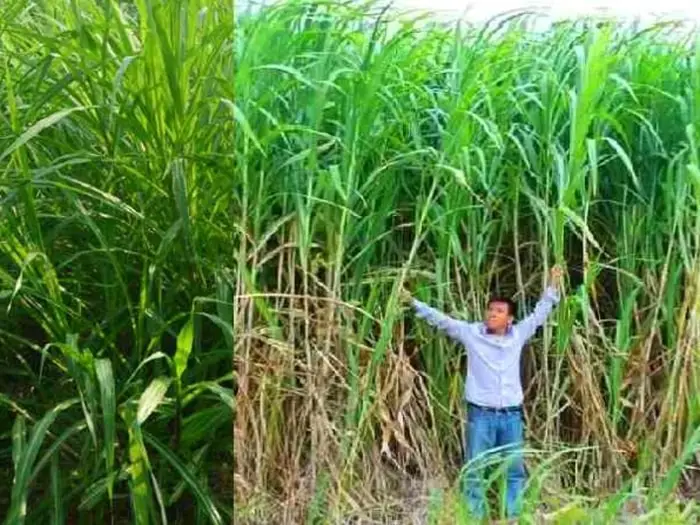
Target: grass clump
374 152
115 276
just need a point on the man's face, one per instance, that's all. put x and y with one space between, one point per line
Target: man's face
498 316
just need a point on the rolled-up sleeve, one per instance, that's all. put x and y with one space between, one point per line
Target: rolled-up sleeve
529 325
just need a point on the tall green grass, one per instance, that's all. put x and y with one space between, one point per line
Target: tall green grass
116 281
372 153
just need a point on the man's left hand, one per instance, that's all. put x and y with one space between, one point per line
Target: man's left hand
555 276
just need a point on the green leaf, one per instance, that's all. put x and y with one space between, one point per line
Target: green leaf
694 172
152 357
242 121
293 72
105 377
94 493
25 458
203 423
225 394
624 157
57 443
184 347
58 510
37 128
180 194
200 492
151 398
159 499
139 469
19 438
226 326
194 464
578 221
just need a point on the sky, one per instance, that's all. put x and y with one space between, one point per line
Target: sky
630 9
480 10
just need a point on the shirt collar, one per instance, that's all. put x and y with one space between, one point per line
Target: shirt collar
486 331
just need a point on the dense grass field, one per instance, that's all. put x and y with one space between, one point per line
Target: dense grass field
116 270
173 186
373 153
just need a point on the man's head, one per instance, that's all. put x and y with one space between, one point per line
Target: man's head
500 314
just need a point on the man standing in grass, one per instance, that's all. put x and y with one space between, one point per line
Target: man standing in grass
493 390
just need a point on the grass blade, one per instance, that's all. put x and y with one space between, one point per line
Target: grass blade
58 517
151 398
201 493
105 378
185 340
37 128
25 463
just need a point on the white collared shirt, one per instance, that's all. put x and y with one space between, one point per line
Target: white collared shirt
493 361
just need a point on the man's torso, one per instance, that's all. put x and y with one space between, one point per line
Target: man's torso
493 368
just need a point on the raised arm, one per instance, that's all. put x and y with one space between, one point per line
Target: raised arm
550 298
452 327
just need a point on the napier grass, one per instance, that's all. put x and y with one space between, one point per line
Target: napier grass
372 153
116 142
173 187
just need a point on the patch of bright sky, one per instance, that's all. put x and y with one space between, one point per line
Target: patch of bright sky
643 11
481 10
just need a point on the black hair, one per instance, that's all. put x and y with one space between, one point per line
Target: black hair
512 307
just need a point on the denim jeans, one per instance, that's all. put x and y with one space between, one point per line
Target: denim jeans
491 435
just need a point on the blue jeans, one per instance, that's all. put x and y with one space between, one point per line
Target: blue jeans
488 430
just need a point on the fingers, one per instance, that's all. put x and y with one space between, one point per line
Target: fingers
555 275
